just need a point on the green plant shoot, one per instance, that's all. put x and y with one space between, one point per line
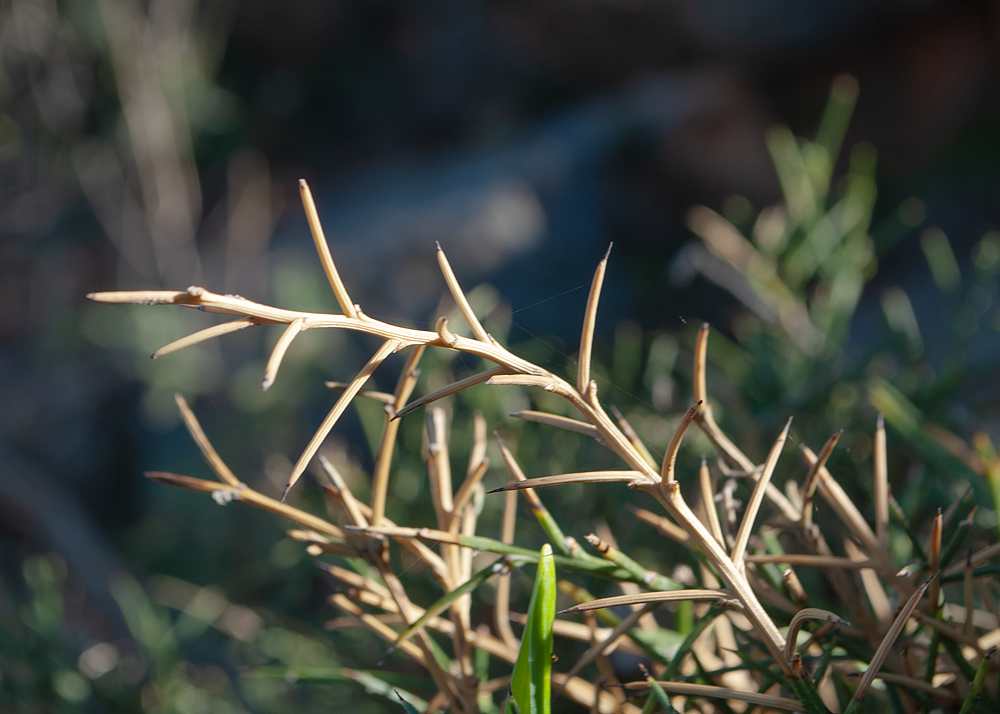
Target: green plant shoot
531 683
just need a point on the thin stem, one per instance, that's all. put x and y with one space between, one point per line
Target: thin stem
463 303
323 249
708 501
670 496
387 348
215 461
208 333
670 457
589 321
501 606
757 497
883 649
278 353
812 478
380 474
880 475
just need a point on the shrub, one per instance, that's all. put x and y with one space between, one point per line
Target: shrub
881 607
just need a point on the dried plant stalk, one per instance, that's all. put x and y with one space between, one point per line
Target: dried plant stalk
502 601
323 249
757 497
278 354
387 348
880 654
382 397
450 389
460 299
812 478
351 504
807 613
708 502
707 690
880 476
589 321
380 476
643 598
662 524
632 436
225 493
817 561
670 457
215 461
562 479
706 421
580 427
208 333
608 641
448 550
849 514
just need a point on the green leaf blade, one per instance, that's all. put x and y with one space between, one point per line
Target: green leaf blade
531 682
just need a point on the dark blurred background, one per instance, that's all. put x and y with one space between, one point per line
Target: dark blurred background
158 144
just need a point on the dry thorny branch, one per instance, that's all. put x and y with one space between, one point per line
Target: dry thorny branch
733 584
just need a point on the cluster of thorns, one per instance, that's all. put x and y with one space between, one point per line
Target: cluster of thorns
733 587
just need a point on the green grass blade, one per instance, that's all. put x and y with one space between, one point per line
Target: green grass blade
955 542
383 684
407 707
674 668
531 683
824 660
805 688
445 602
976 573
650 579
976 690
658 692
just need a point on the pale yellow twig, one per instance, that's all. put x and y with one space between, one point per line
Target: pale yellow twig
708 690
723 444
351 504
880 476
812 478
278 353
670 457
561 479
215 461
501 620
382 397
463 303
589 321
807 613
649 597
226 493
663 525
794 586
816 561
632 436
387 348
450 389
708 502
757 497
890 637
323 249
602 646
380 474
208 333
580 427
